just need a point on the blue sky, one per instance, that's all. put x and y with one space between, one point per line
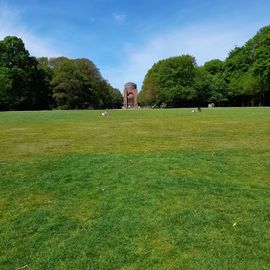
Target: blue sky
124 38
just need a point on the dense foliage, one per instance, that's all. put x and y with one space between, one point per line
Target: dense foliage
77 83
27 83
22 84
243 79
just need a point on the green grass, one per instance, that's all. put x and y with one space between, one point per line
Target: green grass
145 189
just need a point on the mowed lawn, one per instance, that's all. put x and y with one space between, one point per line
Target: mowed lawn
140 189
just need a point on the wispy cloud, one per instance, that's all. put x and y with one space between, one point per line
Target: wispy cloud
120 18
11 25
204 42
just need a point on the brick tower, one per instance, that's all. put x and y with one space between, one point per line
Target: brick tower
130 95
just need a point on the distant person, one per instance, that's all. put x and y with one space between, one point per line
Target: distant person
197 110
106 113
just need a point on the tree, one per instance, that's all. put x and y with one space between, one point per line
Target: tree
78 84
218 88
261 65
170 81
116 98
149 95
5 88
214 66
202 85
249 66
70 89
26 89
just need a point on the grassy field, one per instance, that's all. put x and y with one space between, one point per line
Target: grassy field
140 189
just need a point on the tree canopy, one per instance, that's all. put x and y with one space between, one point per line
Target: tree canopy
23 85
169 81
243 79
28 83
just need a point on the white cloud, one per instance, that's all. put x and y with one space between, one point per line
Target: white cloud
204 42
120 18
11 25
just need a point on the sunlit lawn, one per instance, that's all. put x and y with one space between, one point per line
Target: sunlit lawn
140 189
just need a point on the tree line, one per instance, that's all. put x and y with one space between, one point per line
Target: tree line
30 83
242 79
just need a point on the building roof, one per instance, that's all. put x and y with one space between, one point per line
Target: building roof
131 83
